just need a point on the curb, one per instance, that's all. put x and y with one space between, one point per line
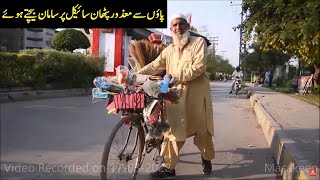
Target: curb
42 94
287 156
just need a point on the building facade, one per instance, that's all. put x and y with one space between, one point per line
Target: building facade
14 40
39 38
113 44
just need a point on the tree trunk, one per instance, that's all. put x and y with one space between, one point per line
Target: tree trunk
299 68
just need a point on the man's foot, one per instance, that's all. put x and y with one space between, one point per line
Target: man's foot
207 166
163 173
230 92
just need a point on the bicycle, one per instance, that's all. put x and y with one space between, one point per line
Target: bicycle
142 143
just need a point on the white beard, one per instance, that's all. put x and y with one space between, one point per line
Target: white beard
181 40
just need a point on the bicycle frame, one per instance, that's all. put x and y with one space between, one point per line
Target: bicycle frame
137 119
133 108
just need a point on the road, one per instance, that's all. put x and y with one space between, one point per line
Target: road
70 133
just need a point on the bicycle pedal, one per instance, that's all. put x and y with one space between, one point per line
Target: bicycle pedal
158 159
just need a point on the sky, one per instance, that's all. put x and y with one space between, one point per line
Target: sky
219 17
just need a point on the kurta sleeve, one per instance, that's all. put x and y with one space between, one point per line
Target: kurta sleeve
198 66
156 66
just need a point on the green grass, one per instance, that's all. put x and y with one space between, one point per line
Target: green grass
309 98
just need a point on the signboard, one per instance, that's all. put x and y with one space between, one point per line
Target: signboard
304 83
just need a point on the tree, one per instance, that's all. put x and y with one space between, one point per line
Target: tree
260 60
193 29
203 30
69 40
218 64
291 26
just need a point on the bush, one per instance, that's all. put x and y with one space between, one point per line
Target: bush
283 81
7 63
26 70
316 90
69 40
212 76
38 68
16 69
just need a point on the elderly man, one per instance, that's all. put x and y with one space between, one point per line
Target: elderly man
185 60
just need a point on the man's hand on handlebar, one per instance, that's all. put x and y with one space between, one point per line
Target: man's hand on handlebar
168 76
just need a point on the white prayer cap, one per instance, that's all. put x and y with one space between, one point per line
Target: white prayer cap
178 15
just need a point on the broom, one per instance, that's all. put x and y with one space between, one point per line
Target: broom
143 52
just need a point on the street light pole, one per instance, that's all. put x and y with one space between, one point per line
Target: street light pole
213 41
242 43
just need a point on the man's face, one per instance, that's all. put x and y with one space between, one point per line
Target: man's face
179 26
179 31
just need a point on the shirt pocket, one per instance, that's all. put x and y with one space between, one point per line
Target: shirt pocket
187 59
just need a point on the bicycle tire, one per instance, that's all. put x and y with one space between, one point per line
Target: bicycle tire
141 143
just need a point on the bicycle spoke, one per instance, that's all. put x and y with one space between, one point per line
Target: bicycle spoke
128 141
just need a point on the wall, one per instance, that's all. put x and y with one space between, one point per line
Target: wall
48 35
38 38
126 41
106 48
11 39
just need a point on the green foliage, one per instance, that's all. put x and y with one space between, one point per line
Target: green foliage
283 82
291 26
16 69
259 60
316 90
218 65
193 29
38 68
69 40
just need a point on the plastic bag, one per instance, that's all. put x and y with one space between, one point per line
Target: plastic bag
102 83
122 75
151 88
98 93
125 76
122 68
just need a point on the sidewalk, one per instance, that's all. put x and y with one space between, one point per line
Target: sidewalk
7 97
291 127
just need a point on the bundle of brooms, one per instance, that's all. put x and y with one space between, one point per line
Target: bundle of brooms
141 53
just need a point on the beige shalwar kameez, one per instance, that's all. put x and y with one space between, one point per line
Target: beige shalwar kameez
193 115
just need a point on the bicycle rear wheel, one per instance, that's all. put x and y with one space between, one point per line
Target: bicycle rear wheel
125 151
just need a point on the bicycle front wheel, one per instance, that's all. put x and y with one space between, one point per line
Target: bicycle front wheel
122 154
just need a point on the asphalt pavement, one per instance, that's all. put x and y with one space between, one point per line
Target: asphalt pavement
63 138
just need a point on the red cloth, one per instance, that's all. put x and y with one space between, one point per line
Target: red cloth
155 114
155 38
129 101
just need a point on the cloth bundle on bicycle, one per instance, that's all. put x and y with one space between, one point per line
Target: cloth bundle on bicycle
151 111
172 96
